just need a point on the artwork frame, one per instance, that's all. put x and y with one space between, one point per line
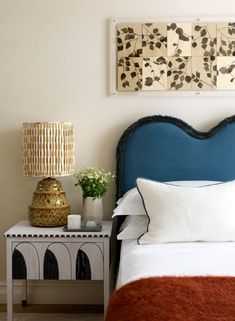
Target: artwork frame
199 60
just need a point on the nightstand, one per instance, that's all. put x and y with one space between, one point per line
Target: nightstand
35 253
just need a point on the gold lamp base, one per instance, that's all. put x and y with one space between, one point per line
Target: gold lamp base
49 206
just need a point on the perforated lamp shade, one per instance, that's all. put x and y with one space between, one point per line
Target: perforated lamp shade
48 151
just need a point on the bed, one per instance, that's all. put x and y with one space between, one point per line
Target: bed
184 279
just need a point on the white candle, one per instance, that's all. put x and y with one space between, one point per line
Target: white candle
74 221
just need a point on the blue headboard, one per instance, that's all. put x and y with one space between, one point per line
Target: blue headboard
167 149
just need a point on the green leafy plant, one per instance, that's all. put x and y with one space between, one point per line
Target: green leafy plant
93 181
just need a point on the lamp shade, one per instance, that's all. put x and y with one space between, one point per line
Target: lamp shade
48 149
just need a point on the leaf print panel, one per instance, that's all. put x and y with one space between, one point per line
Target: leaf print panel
226 73
204 71
203 39
154 39
129 40
179 39
154 73
179 73
129 74
226 39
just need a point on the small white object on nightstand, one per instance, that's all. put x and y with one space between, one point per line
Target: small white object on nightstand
74 221
91 224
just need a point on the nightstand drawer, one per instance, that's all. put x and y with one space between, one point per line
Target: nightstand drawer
57 260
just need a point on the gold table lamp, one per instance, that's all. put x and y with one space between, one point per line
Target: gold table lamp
48 151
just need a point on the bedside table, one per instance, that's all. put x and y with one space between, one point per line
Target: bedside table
35 253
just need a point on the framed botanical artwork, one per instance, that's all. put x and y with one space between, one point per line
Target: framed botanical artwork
173 55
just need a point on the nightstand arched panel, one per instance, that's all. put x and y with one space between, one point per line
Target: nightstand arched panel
83 267
31 260
19 270
95 256
50 266
63 258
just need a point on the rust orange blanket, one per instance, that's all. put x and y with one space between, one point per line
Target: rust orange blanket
174 299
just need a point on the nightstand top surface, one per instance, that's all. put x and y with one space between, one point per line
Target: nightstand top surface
24 229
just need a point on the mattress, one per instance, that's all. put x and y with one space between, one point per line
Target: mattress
175 259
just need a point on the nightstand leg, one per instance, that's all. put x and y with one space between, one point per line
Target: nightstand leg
24 299
106 275
9 282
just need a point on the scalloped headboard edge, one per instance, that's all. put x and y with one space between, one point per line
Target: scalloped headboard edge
166 148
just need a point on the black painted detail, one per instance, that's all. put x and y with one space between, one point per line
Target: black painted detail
83 268
24 303
50 269
19 270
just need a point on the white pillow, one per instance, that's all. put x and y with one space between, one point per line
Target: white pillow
132 227
131 203
186 214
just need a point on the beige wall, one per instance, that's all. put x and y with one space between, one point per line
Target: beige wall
54 66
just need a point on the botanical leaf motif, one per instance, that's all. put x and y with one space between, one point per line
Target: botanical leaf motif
226 73
160 61
188 79
148 81
203 32
223 70
204 73
179 39
197 28
181 66
130 74
154 73
230 68
154 39
178 86
179 73
179 59
171 26
139 85
123 76
204 39
133 74
226 39
124 30
176 56
129 40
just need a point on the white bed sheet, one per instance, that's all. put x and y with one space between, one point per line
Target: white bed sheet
175 259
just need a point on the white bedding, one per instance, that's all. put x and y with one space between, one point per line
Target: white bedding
176 259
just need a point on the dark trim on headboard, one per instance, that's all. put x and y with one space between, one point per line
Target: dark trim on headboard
154 119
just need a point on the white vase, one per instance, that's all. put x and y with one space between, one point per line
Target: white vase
92 209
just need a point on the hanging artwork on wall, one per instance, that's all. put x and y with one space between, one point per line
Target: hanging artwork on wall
175 56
